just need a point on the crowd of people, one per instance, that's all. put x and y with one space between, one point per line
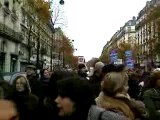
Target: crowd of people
110 92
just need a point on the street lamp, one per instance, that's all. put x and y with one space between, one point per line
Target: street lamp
61 2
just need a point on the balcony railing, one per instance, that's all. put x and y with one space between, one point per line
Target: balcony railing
10 34
6 11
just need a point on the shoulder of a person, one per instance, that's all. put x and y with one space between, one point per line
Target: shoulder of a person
111 115
33 97
94 112
149 92
98 113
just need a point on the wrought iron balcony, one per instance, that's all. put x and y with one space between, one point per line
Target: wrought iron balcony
10 34
6 11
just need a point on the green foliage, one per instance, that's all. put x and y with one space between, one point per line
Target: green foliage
123 46
154 13
40 8
105 56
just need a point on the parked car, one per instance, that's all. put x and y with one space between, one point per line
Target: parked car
10 76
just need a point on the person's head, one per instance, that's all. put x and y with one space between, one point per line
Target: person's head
74 96
81 66
155 79
56 76
115 82
4 89
133 76
82 70
45 73
30 70
8 110
98 68
107 68
21 84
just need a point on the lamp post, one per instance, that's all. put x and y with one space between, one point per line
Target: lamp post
61 2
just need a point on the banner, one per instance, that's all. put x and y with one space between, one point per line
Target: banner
81 59
129 59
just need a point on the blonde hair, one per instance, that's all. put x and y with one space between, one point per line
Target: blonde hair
115 82
25 80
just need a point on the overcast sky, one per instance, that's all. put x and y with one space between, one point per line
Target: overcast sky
91 23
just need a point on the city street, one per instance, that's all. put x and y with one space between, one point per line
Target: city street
79 60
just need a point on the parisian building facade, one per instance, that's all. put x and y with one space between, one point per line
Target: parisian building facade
143 35
126 34
24 39
146 37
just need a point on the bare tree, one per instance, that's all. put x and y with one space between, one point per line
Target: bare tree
58 21
58 17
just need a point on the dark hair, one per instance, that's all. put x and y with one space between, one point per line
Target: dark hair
154 77
112 68
79 91
27 87
133 76
42 72
119 68
56 76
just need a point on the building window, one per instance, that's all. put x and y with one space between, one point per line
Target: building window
23 34
129 29
2 62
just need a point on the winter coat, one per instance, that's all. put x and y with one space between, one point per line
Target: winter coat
151 99
49 110
134 88
123 105
35 85
97 113
26 102
95 82
26 105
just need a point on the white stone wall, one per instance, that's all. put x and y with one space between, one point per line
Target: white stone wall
10 47
17 48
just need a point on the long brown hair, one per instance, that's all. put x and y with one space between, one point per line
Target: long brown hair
27 83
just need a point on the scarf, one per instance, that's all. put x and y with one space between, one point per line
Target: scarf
116 103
